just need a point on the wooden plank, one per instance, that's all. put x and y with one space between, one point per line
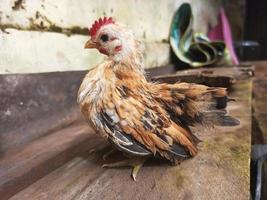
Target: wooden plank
259 126
67 181
220 170
222 76
259 103
34 105
23 166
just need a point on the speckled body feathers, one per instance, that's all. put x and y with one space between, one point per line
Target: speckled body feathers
142 118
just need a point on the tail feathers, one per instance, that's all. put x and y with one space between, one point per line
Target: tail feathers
219 118
189 103
213 109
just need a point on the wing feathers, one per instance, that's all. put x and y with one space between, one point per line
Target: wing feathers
180 138
142 118
156 119
137 125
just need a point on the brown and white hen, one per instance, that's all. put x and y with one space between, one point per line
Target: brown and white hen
138 117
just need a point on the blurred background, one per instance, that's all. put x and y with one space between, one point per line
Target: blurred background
47 35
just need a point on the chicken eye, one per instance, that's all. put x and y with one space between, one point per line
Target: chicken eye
104 37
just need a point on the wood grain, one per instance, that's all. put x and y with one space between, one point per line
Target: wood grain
23 166
219 171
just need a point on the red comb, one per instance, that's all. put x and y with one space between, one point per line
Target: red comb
98 24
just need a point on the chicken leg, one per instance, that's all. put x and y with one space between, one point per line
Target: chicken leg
135 162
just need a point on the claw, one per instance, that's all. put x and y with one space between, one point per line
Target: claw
136 170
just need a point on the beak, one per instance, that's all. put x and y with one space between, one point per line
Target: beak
90 44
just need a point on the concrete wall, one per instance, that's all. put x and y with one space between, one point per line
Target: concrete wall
48 35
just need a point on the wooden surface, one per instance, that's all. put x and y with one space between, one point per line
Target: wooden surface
219 171
23 166
34 105
40 126
260 103
259 125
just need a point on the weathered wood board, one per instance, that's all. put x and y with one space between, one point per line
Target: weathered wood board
259 104
220 170
23 166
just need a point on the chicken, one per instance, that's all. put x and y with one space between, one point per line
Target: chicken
140 118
